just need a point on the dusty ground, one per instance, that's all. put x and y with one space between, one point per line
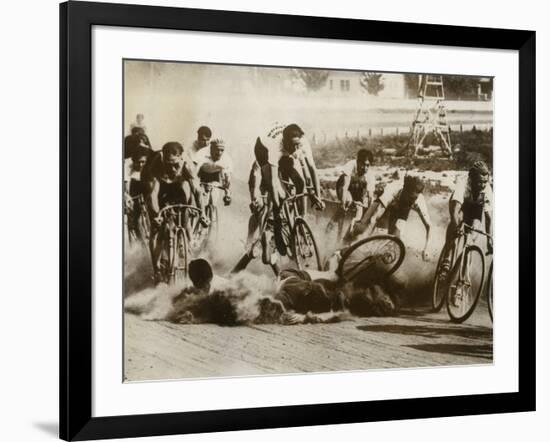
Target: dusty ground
161 350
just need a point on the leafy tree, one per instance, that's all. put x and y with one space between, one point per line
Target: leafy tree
314 79
372 82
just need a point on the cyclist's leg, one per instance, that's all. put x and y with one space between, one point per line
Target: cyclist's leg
338 217
445 267
270 177
300 184
155 248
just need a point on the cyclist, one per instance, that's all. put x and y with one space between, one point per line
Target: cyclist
258 210
356 183
471 199
204 134
133 186
135 140
288 156
214 166
167 180
393 206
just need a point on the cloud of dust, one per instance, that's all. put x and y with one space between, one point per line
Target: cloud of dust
231 301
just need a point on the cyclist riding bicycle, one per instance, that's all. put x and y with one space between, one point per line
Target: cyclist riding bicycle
214 166
168 180
133 186
355 184
392 208
284 154
470 202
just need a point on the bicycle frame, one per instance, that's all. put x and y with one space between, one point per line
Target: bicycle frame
175 213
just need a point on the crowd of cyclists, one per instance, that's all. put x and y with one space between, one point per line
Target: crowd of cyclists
283 168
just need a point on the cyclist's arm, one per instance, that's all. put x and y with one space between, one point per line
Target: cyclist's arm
254 181
454 208
373 215
226 176
428 226
314 176
152 188
226 180
488 222
194 185
367 198
345 185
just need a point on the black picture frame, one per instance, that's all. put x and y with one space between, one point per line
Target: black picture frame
76 21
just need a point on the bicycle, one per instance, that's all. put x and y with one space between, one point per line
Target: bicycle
174 241
371 260
465 281
139 228
296 232
203 235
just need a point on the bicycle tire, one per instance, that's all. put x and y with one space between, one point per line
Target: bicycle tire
180 257
466 310
489 291
302 231
439 294
163 264
352 271
143 226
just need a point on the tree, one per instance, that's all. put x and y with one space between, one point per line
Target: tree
372 82
314 79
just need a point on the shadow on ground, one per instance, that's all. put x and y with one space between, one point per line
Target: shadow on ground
478 350
430 331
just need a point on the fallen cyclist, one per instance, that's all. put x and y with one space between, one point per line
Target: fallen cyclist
299 297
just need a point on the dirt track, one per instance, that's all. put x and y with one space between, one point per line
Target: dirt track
161 350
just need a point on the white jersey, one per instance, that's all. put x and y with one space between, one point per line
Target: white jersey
350 169
205 164
392 193
276 150
463 193
196 150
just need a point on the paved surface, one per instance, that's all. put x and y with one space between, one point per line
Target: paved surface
161 350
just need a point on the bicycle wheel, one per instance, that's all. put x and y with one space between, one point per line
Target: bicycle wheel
440 287
144 227
304 247
371 259
465 284
164 262
489 291
180 256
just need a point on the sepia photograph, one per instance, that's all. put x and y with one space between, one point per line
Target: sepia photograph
286 220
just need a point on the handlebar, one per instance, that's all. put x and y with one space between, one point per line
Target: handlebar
165 209
210 186
309 193
355 204
466 228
